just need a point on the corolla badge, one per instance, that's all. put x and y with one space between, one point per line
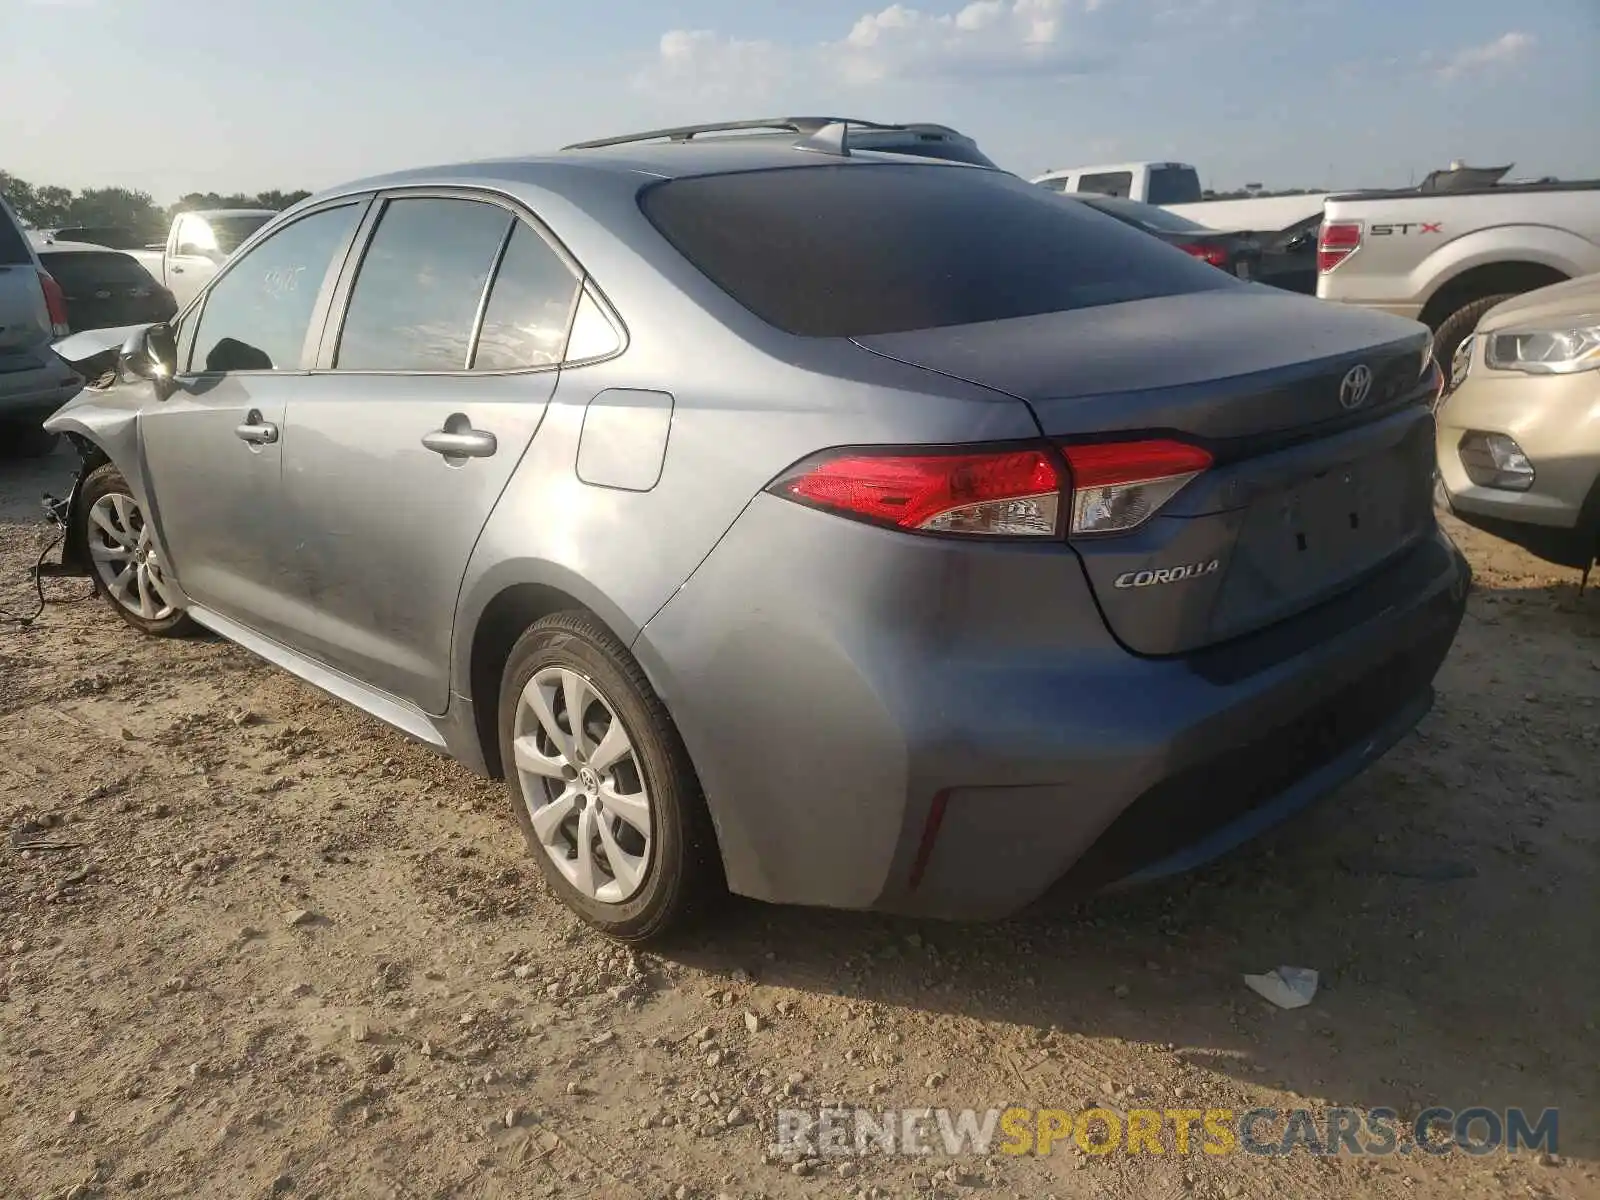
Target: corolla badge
1356 386
1143 579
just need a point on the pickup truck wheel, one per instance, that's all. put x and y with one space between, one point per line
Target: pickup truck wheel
1455 328
601 783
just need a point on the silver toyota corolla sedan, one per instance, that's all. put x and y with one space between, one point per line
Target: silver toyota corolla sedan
821 523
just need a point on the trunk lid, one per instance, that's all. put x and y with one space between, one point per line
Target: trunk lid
1307 493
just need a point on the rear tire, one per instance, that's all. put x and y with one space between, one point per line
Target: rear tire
581 806
128 572
1455 329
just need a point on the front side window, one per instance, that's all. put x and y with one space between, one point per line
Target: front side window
530 307
257 314
421 282
1108 183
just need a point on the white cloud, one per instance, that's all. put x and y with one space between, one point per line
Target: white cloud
1506 48
981 38
704 64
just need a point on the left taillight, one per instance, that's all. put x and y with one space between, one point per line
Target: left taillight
55 302
1118 486
1003 493
1028 492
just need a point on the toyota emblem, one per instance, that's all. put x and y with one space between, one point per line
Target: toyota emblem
1356 386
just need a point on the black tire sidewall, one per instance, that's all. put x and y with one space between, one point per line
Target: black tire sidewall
579 643
107 480
1458 326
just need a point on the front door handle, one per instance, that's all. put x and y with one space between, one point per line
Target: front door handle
256 431
461 443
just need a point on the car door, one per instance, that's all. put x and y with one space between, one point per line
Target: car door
432 382
192 257
213 448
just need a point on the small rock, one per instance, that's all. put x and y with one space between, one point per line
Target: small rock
577 1089
740 975
75 1117
847 1170
1120 991
752 1022
937 1079
736 1116
603 1039
803 1167
360 1032
426 1048
522 972
298 916
1549 1160
299 989
282 1184
714 1059
512 1117
382 1063
248 933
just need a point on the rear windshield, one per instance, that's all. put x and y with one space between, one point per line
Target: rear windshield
1173 185
856 250
80 271
13 249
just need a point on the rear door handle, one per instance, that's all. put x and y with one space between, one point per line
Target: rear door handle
256 431
461 443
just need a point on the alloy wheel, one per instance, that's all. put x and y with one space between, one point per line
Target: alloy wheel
581 781
126 559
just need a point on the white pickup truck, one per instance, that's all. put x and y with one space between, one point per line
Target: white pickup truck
1176 186
1446 256
197 244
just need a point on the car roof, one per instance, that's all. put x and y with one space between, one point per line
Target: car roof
572 170
229 212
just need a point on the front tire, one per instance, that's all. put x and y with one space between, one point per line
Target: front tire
608 802
128 571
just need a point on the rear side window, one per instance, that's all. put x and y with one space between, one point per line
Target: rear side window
1173 185
530 307
256 316
1107 183
856 250
421 283
13 243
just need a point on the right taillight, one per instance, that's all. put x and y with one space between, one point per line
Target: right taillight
55 302
1118 486
1337 241
1105 488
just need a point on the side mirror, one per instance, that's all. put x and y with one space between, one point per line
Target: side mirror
151 353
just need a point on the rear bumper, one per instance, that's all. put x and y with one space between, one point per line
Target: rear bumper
839 694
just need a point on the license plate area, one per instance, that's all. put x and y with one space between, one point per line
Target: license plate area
1312 536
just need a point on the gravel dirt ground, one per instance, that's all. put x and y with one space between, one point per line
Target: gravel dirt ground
275 949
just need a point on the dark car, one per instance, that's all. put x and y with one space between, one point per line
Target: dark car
1235 252
105 288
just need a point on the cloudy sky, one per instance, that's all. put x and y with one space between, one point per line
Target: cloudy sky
184 95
